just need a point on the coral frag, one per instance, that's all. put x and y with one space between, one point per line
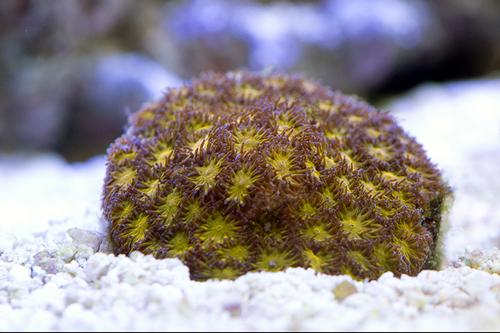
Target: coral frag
244 172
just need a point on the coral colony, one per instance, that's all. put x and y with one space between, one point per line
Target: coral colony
243 172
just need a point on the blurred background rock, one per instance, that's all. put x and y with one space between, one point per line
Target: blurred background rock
71 70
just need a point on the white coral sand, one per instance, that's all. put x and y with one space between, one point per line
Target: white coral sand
56 272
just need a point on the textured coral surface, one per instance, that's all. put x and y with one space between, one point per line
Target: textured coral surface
245 172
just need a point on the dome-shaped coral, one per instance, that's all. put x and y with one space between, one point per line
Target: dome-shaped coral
244 172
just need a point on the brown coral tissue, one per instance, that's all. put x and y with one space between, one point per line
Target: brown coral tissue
243 172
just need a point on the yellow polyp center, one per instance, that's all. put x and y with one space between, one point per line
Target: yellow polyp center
151 187
217 229
314 260
123 211
152 247
206 175
328 106
199 144
177 105
307 210
317 233
404 248
193 211
373 133
329 162
200 125
249 92
350 161
409 155
382 254
247 139
328 198
124 155
381 153
312 169
370 187
335 134
387 211
284 124
178 245
241 181
405 230
281 163
390 176
124 177
168 209
356 226
360 259
355 118
146 115
167 118
403 197
136 229
238 252
344 182
225 273
162 154
273 261
411 169
346 270
206 91
274 82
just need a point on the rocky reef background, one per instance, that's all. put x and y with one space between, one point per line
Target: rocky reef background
70 71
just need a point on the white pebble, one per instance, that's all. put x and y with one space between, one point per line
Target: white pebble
19 274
